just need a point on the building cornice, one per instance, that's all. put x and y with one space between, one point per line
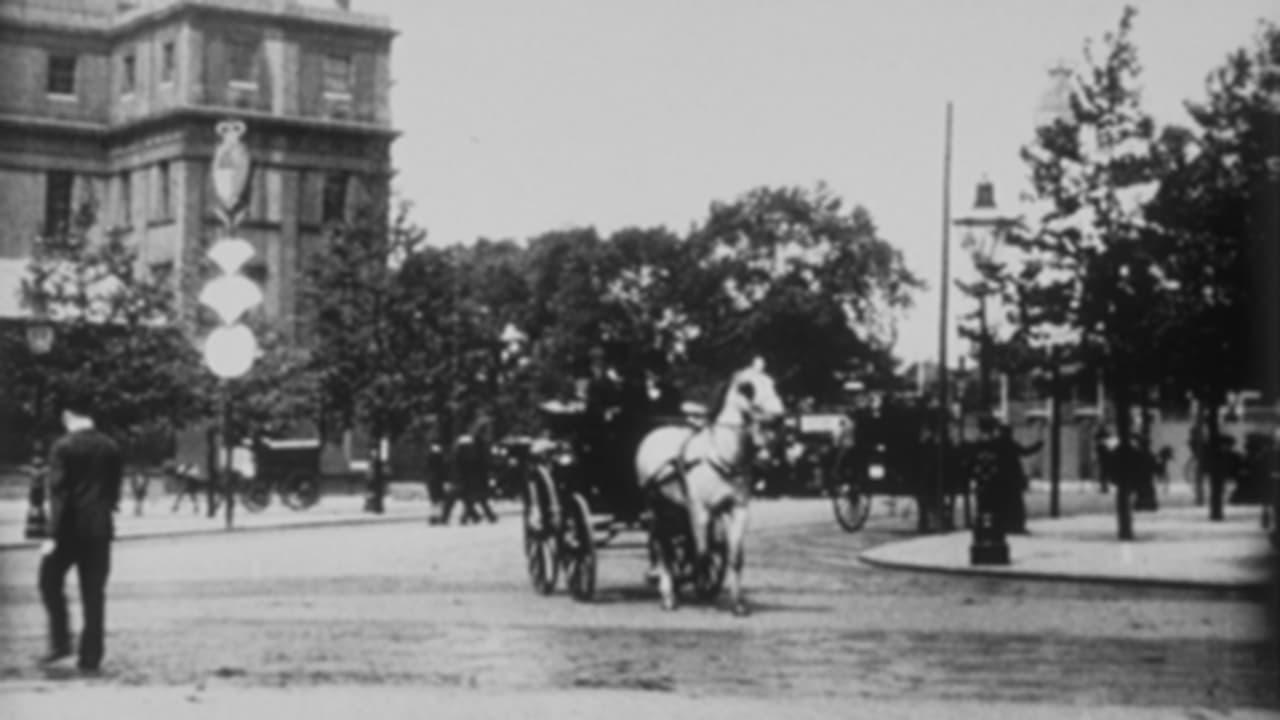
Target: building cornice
188 113
28 16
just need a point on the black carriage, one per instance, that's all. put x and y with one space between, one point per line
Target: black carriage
581 493
891 451
290 468
799 465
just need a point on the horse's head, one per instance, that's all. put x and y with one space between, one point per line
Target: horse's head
753 395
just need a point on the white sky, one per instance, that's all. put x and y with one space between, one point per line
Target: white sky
523 116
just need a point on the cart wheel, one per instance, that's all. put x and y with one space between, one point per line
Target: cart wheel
850 503
256 494
301 491
578 551
709 578
540 532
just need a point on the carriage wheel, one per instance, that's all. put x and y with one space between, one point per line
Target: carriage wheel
577 549
850 503
256 494
540 532
301 491
709 577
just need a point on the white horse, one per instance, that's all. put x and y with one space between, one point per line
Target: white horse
708 470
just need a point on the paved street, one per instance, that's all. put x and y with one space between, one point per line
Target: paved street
447 615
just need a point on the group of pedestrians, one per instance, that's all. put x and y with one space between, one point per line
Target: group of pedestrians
458 473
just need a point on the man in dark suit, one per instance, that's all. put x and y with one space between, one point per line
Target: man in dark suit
84 477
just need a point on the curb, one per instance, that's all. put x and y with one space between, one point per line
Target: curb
1011 572
196 532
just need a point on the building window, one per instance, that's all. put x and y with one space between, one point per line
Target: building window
333 204
57 201
62 75
242 57
337 75
126 199
168 62
164 194
129 73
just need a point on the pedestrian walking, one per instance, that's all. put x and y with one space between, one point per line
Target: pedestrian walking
37 525
1103 443
474 468
84 481
1013 478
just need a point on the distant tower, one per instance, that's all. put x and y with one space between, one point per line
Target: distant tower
1055 103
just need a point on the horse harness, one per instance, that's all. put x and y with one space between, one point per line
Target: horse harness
683 465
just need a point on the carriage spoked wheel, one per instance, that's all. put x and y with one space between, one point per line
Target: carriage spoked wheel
256 494
540 532
301 491
850 502
578 549
708 577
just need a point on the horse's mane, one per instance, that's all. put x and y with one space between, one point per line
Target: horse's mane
721 398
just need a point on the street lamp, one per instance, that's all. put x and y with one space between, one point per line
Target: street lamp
39 341
986 224
231 348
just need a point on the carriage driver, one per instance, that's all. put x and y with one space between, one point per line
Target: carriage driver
604 389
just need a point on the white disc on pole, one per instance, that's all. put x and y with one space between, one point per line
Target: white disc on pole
230 351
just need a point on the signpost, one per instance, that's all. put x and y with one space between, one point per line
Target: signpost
231 348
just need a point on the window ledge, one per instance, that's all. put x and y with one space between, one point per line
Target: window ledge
62 97
337 95
243 84
160 222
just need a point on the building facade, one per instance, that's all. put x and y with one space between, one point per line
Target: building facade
115 104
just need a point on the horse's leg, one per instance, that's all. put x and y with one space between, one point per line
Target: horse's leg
737 533
661 537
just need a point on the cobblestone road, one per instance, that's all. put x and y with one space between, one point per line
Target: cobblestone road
451 609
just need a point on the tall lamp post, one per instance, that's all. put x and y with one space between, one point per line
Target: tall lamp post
985 224
231 348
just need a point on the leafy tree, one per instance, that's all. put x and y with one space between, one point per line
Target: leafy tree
566 278
789 274
1090 264
118 347
1202 215
368 343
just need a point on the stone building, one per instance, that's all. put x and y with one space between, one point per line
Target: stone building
115 103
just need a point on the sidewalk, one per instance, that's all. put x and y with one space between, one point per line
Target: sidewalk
1175 547
158 518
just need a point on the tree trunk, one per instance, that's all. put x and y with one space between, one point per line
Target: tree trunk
375 491
1120 470
1216 457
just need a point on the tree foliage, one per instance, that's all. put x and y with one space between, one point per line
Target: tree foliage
118 347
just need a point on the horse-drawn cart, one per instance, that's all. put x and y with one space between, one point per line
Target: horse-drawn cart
892 453
290 468
581 494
